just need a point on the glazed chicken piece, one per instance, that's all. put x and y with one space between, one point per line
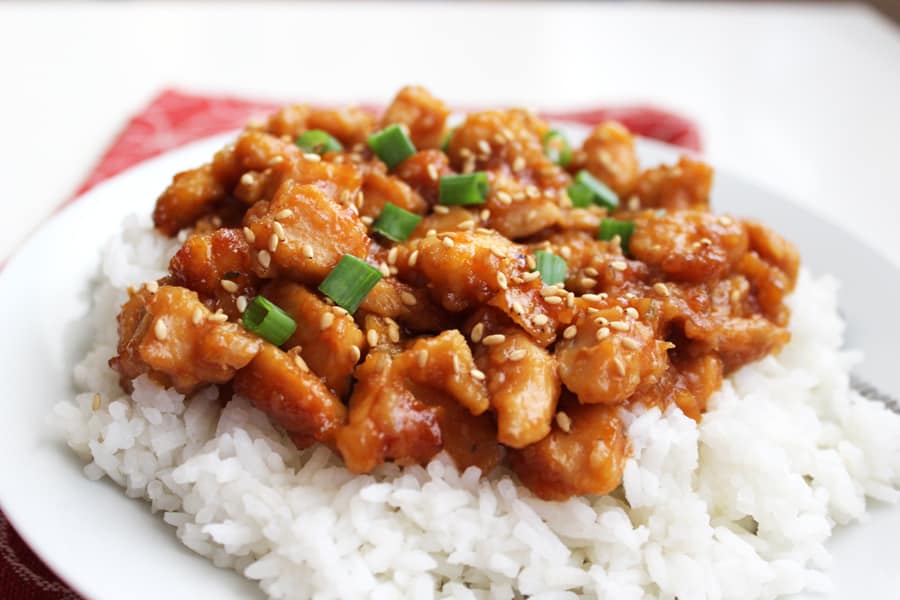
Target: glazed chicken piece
378 189
684 186
329 339
612 354
422 172
190 195
523 386
584 454
284 388
349 125
608 154
304 233
518 210
423 115
174 337
411 306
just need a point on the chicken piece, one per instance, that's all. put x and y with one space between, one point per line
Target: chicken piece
738 341
529 305
378 189
608 154
422 114
444 221
216 265
585 455
289 121
775 250
422 172
517 210
771 267
688 245
386 421
611 356
329 338
317 232
523 387
190 195
684 186
284 388
409 305
172 335
351 125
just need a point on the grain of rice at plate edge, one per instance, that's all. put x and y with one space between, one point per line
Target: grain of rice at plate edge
673 529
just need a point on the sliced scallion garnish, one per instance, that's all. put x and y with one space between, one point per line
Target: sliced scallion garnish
610 228
396 223
350 282
318 141
557 149
391 145
553 269
587 189
445 145
268 321
466 189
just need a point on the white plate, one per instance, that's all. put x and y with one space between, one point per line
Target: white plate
109 547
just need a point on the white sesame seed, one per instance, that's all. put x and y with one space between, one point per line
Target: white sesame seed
248 178
518 164
602 333
518 308
241 303
284 214
385 270
591 297
432 172
311 157
249 235
422 358
540 320
197 316
476 374
367 220
301 364
448 242
620 366
591 272
394 333
485 214
152 287
392 255
564 422
408 298
661 289
501 281
217 317
498 252
413 258
431 233
372 337
532 191
531 275
494 339
95 403
632 312
588 282
456 366
468 224
570 332
355 354
620 325
630 343
273 242
516 355
504 197
229 286
602 321
484 146
326 321
440 209
275 160
160 330
307 251
619 265
477 332
264 259
565 252
553 300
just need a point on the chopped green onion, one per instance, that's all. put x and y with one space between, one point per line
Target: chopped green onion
610 228
445 145
318 141
350 282
552 268
557 149
268 321
391 145
467 189
396 223
587 189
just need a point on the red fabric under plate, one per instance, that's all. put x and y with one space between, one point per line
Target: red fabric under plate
175 118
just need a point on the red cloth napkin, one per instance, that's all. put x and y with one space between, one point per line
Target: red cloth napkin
173 119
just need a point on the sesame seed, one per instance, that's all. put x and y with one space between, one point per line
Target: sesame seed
284 214
229 286
518 308
498 252
160 330
249 235
422 358
518 164
570 332
311 157
484 146
355 353
532 191
602 321
408 298
477 332
548 291
494 339
632 312
531 262
469 165
725 220
273 242
431 233
620 366
661 289
516 355
432 172
485 214
564 422
367 220
307 251
475 373
634 203
197 316
301 364
484 230
241 303
591 272
448 242
95 403
630 343
217 317
384 269
501 281
504 197
440 209
565 252
326 321
499 138
248 178
278 228
413 258
264 259
468 224
540 320
531 276
602 333
591 297
394 333
553 300
392 255
619 325
619 265
360 199
152 287
372 337
275 160
588 282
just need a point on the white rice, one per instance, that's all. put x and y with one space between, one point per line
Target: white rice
739 507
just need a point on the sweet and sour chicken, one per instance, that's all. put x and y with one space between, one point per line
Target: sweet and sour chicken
459 289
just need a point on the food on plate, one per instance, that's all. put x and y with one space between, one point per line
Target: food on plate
397 355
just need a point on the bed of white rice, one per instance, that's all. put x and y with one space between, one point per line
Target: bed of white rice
739 507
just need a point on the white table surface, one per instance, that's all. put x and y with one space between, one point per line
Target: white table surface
805 99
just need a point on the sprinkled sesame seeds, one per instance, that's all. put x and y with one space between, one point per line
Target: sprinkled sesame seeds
197 316
620 325
516 355
565 252
485 214
413 258
553 300
392 255
241 303
326 321
307 251
249 235
152 287
620 366
385 270
372 337
367 220
504 197
301 364
540 320
591 297
588 282
517 308
570 332
563 421
284 214
217 317
532 191
494 339
518 164
278 228
160 330
476 374
312 157
248 178
408 298
619 265
448 242
95 403
394 333
498 252
602 333
531 262
431 233
591 272
276 160
531 276
630 343
477 332
264 259
440 209
484 146
355 353
273 242
432 172
422 358
468 224
229 286
632 312
501 281
661 289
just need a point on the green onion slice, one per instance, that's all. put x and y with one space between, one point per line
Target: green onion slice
268 321
391 145
553 269
587 189
350 282
467 189
445 145
318 141
396 223
610 228
557 148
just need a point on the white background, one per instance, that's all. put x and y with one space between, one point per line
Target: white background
805 99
